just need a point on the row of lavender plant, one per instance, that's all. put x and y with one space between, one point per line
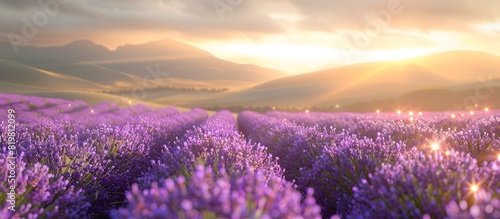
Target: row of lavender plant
77 165
362 145
213 172
77 161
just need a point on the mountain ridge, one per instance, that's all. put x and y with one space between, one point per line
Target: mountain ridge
177 59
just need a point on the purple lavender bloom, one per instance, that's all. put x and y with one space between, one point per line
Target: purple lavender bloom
211 195
419 184
37 192
215 143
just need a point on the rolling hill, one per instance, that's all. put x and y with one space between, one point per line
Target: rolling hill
128 64
369 81
30 77
432 100
183 75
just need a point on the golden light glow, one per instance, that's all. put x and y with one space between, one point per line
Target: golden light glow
486 109
490 27
411 113
419 113
130 101
307 111
498 157
378 111
472 112
474 188
411 119
274 107
453 116
275 52
399 111
395 54
337 106
447 153
435 146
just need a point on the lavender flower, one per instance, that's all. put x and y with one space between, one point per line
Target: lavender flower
210 195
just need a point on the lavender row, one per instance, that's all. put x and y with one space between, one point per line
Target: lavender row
77 166
217 195
214 172
36 108
346 154
215 143
80 161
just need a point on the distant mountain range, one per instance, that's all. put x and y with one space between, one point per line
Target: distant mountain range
128 64
86 70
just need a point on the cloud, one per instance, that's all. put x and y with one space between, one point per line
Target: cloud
19 4
199 19
191 18
424 15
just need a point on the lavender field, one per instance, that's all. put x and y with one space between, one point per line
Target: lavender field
67 159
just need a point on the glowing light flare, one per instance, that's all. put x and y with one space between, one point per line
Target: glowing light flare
471 113
274 108
486 109
474 188
453 116
69 104
91 111
378 111
399 111
130 101
307 111
411 113
498 157
419 113
435 146
447 153
412 119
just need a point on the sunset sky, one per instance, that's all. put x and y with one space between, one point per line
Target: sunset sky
295 36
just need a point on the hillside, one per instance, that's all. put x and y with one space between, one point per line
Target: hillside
370 81
18 74
174 59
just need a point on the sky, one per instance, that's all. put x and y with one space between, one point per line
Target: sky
294 36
